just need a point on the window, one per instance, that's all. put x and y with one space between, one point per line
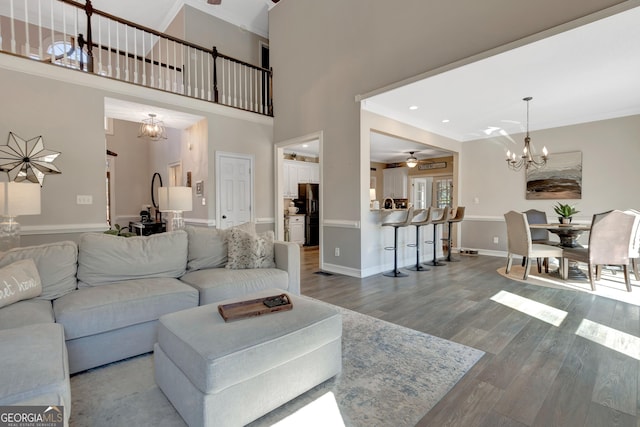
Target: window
444 192
67 54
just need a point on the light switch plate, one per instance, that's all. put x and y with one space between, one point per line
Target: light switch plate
84 199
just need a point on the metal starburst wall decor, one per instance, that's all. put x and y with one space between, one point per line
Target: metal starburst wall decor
27 160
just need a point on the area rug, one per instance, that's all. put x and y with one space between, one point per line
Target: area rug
611 284
391 376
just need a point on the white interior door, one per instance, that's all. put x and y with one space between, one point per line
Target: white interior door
234 189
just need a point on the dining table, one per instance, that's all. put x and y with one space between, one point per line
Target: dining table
568 233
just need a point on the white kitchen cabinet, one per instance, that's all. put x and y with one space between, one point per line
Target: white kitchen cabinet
290 175
304 173
299 173
296 229
315 173
395 182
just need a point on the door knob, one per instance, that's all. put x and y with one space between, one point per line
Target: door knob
224 217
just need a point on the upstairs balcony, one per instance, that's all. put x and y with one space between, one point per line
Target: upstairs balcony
76 36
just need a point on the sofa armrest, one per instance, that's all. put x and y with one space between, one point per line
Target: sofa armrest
288 259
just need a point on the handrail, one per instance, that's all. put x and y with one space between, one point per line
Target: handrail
141 55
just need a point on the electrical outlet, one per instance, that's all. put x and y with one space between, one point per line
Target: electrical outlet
204 201
496 240
337 252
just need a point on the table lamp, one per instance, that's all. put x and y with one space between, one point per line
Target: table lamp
175 200
16 198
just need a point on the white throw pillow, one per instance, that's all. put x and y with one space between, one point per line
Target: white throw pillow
19 281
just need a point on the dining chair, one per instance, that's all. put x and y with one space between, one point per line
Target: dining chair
634 249
610 240
519 243
539 235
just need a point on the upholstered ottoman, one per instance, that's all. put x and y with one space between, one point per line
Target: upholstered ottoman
218 373
34 368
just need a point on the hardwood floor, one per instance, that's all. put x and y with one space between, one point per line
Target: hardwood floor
533 373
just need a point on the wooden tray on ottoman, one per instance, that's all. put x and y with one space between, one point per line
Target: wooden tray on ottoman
251 308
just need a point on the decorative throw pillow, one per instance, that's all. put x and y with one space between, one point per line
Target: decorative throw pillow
247 250
207 248
19 281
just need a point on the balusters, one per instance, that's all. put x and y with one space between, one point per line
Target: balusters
27 46
13 28
144 60
53 53
125 53
100 69
134 54
209 60
40 54
110 57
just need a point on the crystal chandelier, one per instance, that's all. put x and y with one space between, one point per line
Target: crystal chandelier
526 160
152 129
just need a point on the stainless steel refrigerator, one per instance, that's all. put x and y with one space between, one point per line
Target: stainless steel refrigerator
309 205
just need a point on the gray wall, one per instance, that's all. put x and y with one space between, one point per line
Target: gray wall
209 31
67 109
326 53
610 154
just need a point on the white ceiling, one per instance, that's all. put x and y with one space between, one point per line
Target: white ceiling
134 112
158 14
586 74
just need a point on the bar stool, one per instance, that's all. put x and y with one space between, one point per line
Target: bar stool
420 217
438 216
395 272
458 217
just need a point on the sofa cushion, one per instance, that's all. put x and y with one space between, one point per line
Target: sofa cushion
19 281
104 259
217 284
34 367
248 250
56 262
28 312
207 247
93 310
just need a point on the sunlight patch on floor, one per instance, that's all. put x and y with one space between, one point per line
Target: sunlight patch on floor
609 337
322 412
531 308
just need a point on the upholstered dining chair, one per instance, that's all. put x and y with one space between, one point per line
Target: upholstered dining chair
610 240
538 235
634 249
519 243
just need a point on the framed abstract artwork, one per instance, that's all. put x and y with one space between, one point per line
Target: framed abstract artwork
560 178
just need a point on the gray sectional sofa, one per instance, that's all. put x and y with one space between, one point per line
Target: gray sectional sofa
103 296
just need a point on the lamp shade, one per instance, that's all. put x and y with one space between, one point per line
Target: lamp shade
175 199
19 198
372 194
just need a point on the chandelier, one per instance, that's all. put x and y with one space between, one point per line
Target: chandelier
411 160
152 129
526 160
